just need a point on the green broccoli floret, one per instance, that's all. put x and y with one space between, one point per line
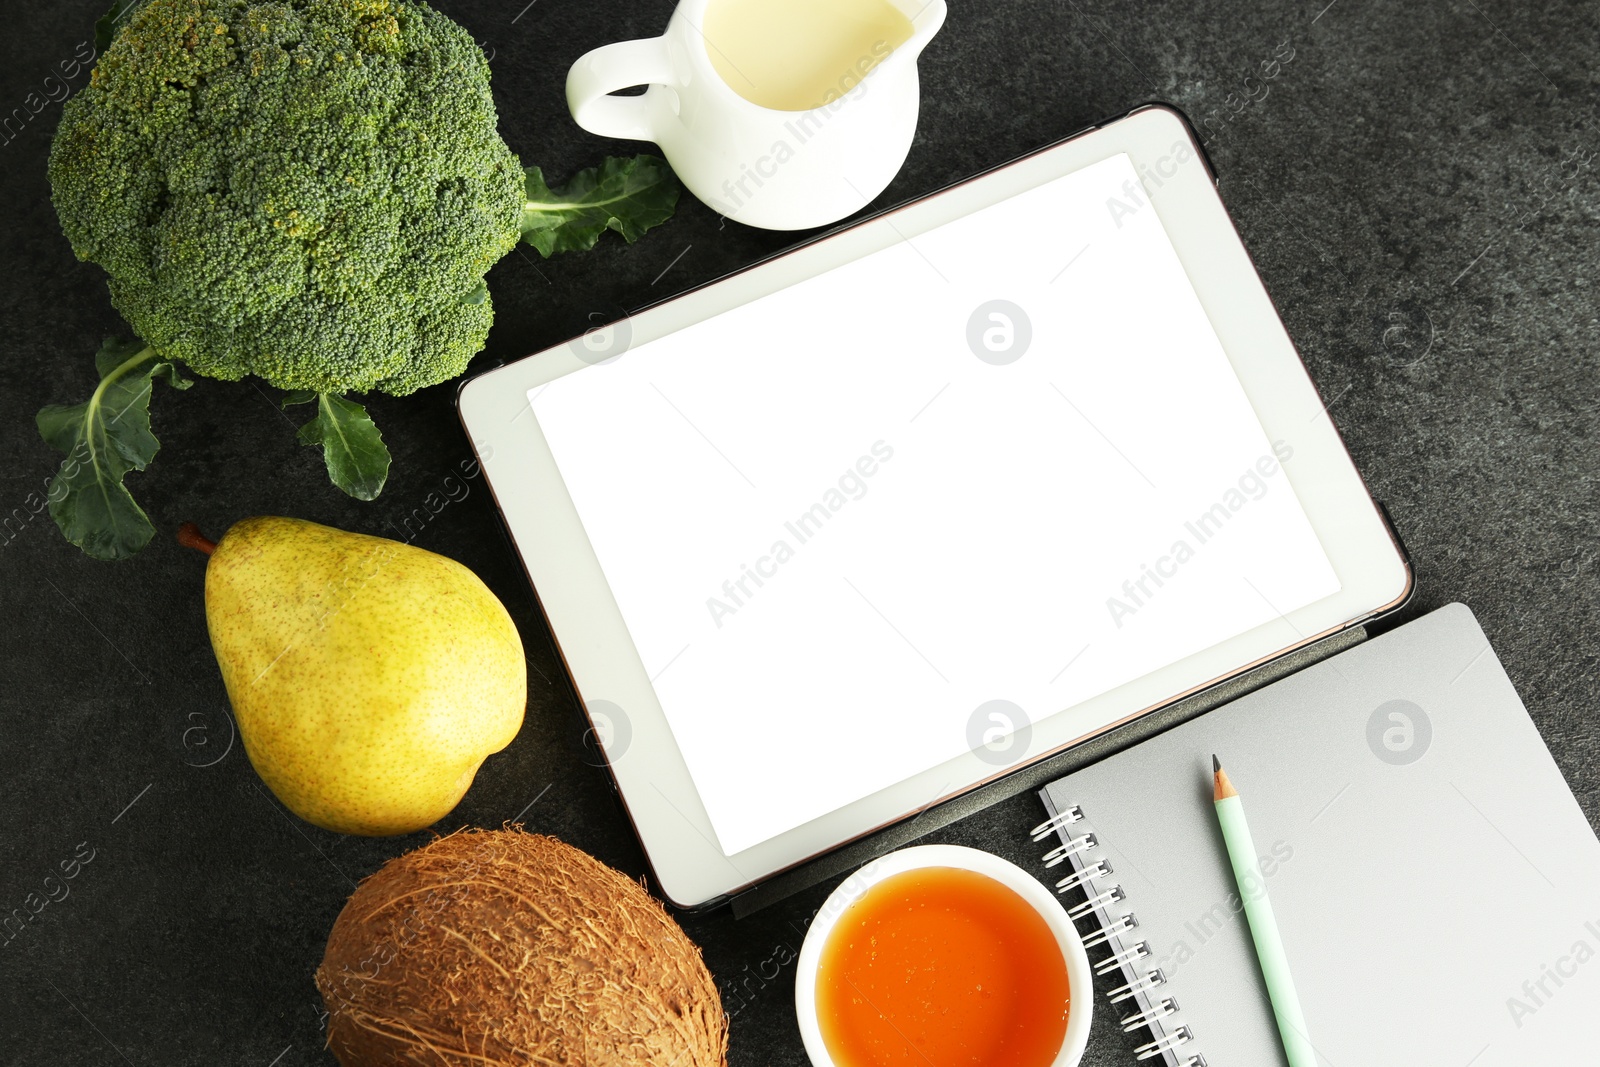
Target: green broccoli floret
310 191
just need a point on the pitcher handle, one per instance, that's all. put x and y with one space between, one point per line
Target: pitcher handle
609 68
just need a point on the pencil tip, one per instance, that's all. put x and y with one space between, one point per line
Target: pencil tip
1216 764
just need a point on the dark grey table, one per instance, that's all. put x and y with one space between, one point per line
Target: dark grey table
1407 183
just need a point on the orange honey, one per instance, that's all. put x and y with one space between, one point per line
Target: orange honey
940 967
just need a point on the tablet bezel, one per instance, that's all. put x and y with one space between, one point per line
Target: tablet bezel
649 771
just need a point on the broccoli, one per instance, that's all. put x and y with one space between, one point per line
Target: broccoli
306 191
311 192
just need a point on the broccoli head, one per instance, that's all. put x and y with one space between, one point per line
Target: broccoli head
310 191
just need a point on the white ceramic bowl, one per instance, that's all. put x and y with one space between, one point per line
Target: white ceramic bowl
969 859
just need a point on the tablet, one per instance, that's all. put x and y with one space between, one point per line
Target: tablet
924 500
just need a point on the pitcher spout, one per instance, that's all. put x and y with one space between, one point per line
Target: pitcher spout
926 17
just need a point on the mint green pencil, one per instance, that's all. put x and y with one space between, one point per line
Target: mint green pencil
1263 927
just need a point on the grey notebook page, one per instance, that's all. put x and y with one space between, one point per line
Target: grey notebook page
1436 885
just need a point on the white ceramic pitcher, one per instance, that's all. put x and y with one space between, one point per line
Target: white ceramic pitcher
780 170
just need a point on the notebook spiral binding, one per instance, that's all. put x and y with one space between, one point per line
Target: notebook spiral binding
1139 996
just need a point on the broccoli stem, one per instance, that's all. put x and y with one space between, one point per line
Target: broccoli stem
144 355
550 207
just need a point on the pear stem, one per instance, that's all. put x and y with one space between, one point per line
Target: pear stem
189 536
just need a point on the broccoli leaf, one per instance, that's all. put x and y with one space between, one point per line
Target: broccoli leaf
357 458
114 353
111 22
626 195
104 438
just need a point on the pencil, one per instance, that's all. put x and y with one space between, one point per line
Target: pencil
1263 927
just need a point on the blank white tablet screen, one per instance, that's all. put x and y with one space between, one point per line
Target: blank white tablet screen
841 519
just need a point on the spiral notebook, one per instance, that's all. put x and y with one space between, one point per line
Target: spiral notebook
1435 882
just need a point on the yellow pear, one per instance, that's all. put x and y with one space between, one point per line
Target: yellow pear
370 679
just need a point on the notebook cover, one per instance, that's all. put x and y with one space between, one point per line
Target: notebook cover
1436 885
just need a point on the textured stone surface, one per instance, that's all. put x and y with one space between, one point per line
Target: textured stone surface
1404 182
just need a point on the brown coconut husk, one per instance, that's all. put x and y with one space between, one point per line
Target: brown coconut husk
490 948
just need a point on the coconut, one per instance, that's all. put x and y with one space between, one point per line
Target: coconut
499 947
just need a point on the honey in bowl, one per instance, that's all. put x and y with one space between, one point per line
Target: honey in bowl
939 967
